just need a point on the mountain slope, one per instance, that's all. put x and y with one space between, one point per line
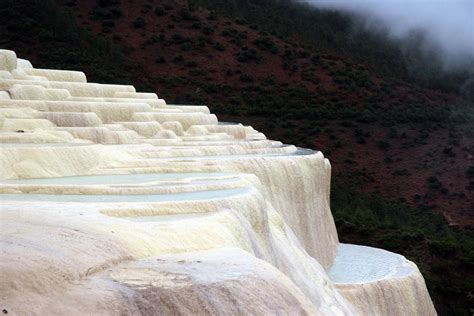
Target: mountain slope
385 133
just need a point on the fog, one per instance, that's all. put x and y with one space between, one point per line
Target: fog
447 26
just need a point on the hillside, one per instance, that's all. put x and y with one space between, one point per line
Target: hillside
386 136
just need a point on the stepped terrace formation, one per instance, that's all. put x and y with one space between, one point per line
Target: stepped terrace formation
114 202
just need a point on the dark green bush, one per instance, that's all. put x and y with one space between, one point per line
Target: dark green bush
161 60
186 15
160 11
108 23
246 78
470 172
434 183
219 46
186 46
383 145
246 55
266 43
178 59
207 30
139 22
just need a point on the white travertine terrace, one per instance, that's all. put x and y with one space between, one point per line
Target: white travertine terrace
113 202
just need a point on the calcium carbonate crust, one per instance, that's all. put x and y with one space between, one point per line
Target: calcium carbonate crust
114 202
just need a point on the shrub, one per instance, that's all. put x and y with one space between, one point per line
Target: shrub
196 72
71 3
246 55
392 133
309 75
240 21
448 151
160 11
177 38
434 183
104 13
145 9
246 78
266 43
316 59
178 59
186 15
212 16
108 23
161 60
219 46
153 39
470 187
191 64
443 248
207 30
139 22
302 54
228 32
383 145
107 3
470 172
402 172
186 46
202 41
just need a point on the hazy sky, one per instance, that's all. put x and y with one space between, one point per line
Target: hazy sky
449 24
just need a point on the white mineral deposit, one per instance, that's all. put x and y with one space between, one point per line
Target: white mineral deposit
115 203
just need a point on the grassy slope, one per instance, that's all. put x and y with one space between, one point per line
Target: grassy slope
342 104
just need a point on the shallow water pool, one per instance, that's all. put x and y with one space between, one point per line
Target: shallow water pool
116 178
361 264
